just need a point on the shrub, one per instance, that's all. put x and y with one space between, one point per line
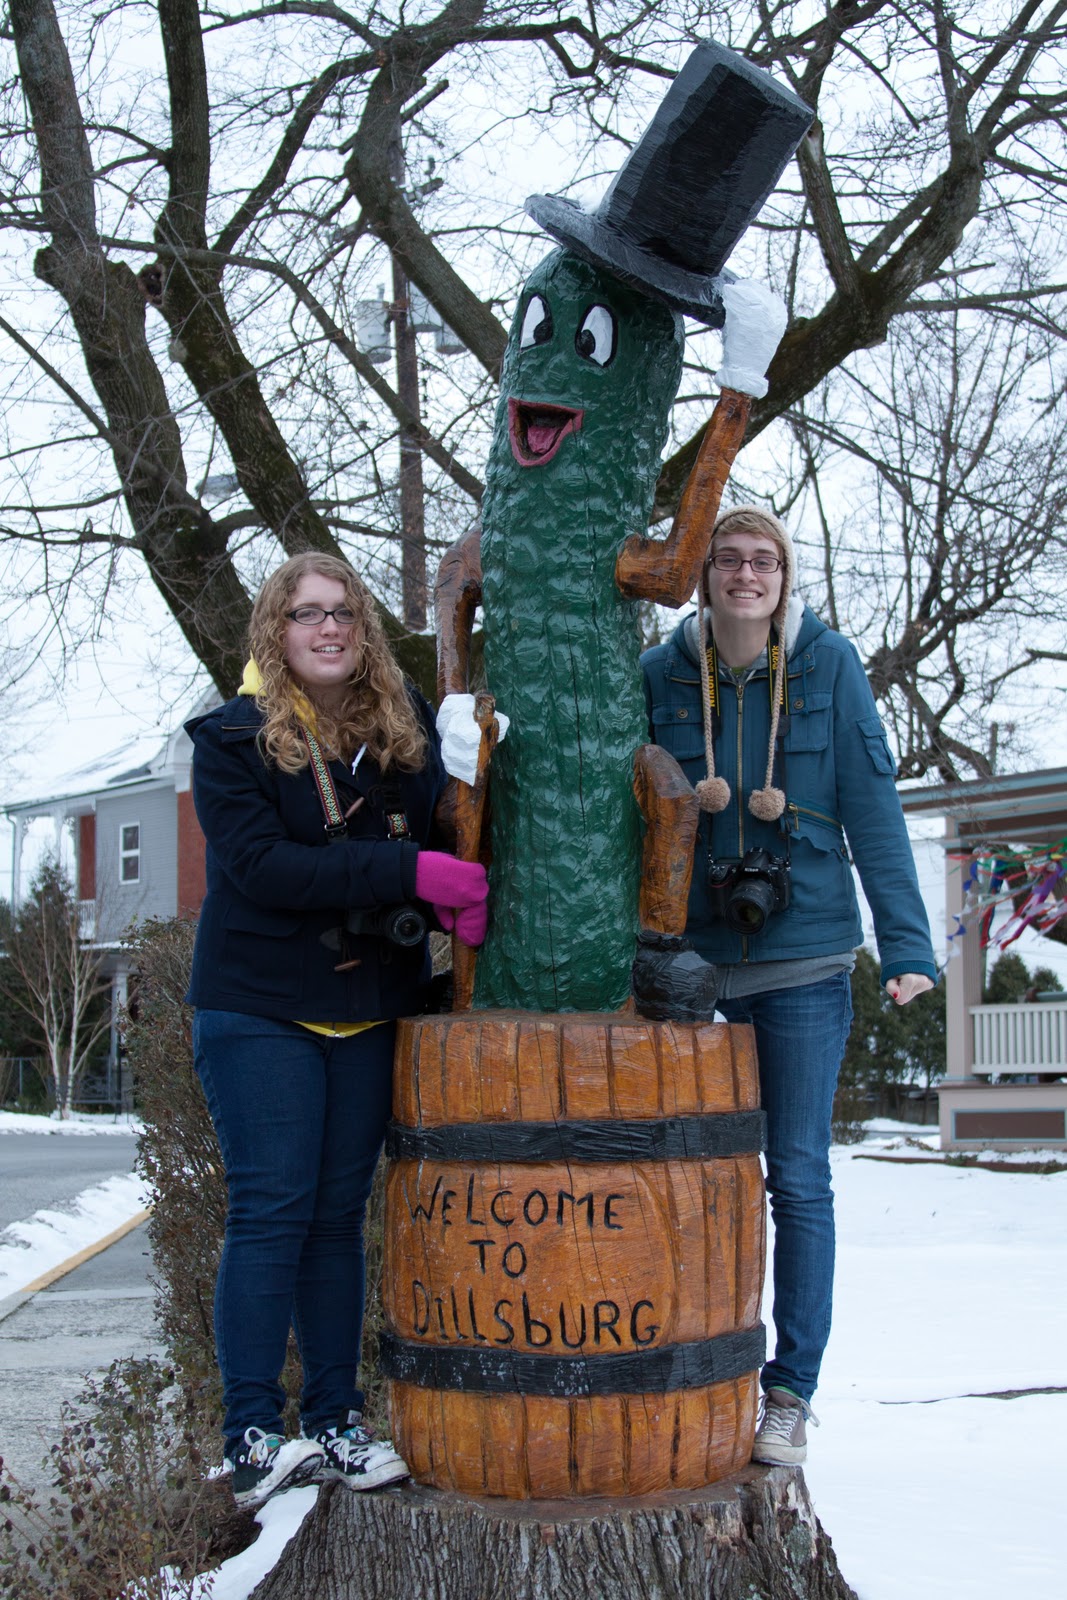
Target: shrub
133 1510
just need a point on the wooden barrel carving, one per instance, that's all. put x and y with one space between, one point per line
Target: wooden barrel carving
574 1247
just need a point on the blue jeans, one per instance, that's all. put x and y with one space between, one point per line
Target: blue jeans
800 1039
300 1120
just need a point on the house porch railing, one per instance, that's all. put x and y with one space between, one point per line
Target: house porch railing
1020 1038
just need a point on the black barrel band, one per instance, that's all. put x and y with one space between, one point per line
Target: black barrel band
671 1366
735 1133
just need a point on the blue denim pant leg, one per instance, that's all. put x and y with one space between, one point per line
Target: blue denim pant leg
300 1120
800 1039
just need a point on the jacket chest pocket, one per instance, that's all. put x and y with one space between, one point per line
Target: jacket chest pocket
680 730
809 721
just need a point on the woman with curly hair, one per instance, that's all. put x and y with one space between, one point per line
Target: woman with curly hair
315 788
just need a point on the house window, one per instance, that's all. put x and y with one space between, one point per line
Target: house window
130 852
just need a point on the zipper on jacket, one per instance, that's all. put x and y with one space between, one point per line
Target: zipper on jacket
740 794
810 811
740 688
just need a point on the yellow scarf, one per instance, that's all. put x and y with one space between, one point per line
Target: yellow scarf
252 682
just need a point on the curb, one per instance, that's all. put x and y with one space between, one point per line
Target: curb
11 1302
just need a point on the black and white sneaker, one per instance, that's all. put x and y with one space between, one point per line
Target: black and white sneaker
264 1464
351 1453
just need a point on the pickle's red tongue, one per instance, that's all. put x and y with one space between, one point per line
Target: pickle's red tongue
541 436
537 431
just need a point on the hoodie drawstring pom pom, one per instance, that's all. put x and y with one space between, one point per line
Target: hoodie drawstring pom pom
713 794
765 804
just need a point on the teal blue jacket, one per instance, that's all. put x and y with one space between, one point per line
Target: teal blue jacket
839 778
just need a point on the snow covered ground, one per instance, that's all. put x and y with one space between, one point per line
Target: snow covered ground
951 1295
951 1284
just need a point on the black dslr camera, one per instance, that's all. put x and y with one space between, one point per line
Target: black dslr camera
401 925
744 893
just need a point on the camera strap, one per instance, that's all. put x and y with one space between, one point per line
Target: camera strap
396 821
334 826
714 692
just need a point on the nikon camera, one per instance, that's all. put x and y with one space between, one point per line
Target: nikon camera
744 893
400 925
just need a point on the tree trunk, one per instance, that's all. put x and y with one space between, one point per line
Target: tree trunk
754 1536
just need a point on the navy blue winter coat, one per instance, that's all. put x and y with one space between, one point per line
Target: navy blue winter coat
276 884
839 779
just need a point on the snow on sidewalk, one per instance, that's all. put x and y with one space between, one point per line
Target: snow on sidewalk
79 1124
48 1238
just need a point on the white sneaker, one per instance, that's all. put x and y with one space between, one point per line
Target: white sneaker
781 1436
265 1464
351 1453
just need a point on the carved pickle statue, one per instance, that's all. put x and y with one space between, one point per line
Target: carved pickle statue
590 373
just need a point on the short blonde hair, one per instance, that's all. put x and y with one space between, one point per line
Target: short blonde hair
377 711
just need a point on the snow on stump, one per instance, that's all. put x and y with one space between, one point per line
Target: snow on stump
753 1536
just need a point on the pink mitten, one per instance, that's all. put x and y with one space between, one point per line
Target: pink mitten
445 881
471 924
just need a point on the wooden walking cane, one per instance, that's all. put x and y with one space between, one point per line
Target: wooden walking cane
470 807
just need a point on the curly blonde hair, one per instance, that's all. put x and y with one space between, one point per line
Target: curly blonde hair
377 712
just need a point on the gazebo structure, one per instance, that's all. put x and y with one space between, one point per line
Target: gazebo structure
1006 1081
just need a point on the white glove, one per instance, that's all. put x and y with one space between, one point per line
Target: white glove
461 736
755 321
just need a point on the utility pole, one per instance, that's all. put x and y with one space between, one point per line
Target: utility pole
412 495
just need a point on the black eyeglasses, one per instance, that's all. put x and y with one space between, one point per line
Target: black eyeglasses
311 616
730 561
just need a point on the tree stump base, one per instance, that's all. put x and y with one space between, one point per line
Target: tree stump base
753 1536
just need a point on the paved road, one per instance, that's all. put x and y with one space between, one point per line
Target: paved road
98 1312
42 1169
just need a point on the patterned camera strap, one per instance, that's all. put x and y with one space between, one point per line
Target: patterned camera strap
335 826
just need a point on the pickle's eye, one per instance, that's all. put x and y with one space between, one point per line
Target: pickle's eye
595 339
536 324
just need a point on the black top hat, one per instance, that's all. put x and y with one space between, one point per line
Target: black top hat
691 185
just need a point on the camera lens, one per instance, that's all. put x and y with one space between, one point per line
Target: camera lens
405 925
749 906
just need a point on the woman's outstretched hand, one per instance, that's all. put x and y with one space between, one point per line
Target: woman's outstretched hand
457 890
907 986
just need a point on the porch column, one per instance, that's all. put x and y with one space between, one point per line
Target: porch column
18 825
963 976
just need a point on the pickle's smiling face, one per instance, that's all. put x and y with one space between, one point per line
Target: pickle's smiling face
587 358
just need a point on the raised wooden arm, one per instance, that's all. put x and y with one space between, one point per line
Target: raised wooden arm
470 808
457 595
666 570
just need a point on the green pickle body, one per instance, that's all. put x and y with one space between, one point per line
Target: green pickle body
562 646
